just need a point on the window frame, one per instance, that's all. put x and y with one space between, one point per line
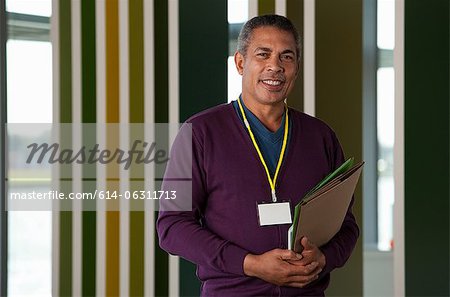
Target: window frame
16 26
3 213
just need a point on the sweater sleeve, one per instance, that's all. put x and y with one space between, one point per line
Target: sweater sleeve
338 250
181 231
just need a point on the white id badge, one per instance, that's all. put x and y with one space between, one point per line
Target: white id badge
274 213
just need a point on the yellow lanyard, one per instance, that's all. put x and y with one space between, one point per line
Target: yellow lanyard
273 181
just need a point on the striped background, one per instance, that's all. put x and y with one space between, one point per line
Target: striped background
155 61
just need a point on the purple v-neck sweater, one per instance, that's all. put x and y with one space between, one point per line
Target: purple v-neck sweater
228 180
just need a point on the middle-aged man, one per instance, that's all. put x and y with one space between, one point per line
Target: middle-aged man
252 151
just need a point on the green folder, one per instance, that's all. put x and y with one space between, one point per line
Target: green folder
340 170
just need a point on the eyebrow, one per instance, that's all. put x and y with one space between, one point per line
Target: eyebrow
266 49
288 51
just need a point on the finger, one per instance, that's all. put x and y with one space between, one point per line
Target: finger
310 268
301 281
316 271
307 259
289 255
296 270
298 262
307 245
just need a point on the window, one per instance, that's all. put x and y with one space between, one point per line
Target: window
29 100
385 122
31 7
237 16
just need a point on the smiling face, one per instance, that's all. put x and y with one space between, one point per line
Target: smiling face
269 67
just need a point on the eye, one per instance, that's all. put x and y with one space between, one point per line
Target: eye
287 57
263 55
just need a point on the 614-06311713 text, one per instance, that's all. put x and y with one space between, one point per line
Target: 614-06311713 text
97 194
137 195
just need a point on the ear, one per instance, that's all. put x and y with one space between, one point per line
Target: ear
239 62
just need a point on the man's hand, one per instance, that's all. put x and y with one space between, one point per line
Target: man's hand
282 268
311 254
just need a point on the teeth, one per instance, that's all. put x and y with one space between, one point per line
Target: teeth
272 82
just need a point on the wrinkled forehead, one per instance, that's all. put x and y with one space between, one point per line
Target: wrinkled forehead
272 37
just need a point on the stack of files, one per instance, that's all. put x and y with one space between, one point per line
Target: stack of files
321 212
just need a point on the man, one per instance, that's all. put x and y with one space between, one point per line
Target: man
256 151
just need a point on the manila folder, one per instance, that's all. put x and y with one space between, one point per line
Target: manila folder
321 217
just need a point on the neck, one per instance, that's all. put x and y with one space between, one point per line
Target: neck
270 115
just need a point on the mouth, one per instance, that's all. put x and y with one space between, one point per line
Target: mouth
272 85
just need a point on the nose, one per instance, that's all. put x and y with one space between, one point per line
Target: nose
274 64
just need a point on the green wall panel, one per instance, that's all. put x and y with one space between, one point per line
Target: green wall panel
339 103
65 253
136 115
161 266
161 26
65 111
427 148
294 10
136 59
88 115
88 62
161 62
65 56
265 6
203 53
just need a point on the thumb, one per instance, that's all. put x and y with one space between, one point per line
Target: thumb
307 245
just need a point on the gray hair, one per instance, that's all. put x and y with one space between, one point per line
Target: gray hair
270 20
